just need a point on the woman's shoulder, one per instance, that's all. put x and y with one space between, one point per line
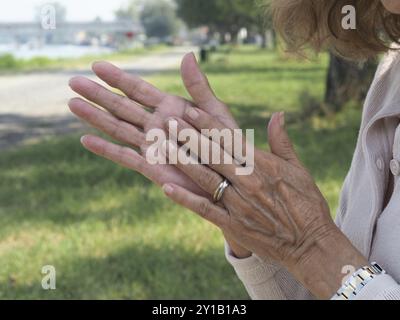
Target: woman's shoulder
390 59
387 78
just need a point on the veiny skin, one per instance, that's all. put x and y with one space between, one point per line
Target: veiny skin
277 212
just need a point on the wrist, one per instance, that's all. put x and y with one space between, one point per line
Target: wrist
325 265
237 250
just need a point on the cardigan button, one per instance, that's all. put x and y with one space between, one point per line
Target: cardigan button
395 167
379 164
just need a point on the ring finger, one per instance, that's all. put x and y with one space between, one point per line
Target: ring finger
204 177
201 146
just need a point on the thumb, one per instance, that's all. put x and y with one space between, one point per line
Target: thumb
279 140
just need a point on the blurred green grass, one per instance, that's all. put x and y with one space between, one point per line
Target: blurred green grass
9 63
112 234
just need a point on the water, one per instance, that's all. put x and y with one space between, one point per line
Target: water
52 51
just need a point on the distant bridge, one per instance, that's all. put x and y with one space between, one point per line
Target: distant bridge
65 32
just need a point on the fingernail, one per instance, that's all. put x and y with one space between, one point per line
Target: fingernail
168 189
282 119
192 113
83 138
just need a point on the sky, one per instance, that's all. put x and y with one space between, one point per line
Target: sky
77 10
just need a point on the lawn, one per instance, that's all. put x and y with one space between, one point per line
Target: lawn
111 234
11 64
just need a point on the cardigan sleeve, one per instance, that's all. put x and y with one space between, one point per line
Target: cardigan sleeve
383 287
265 279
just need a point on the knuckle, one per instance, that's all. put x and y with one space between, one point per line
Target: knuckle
114 129
134 88
257 184
195 83
143 146
229 145
273 167
281 186
286 143
287 146
254 185
172 100
97 93
204 208
207 121
116 102
94 117
207 179
142 88
117 131
120 79
121 152
142 116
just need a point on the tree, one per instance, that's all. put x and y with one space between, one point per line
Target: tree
197 13
347 81
223 16
158 18
131 12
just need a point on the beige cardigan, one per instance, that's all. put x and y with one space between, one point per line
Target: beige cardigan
375 232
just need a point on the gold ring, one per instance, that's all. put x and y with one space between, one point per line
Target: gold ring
219 192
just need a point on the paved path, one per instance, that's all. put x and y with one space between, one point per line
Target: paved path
34 105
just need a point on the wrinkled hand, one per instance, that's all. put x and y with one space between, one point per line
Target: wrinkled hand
277 211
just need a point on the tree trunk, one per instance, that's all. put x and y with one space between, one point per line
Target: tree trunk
274 39
263 35
234 33
347 81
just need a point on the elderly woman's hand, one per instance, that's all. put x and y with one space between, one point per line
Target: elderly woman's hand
277 211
